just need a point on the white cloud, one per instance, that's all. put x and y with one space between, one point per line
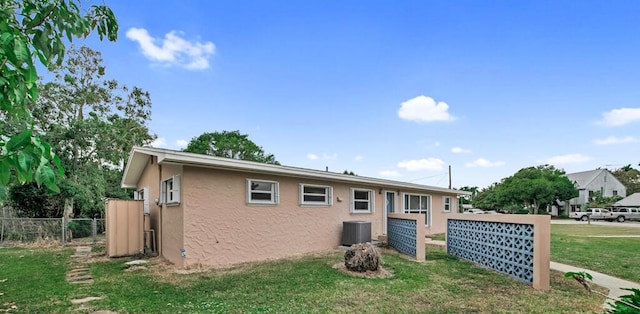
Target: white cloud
424 109
174 50
484 163
460 150
358 158
619 117
612 140
159 142
389 173
182 143
567 159
422 164
330 157
312 156
436 144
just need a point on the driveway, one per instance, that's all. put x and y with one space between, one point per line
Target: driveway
632 224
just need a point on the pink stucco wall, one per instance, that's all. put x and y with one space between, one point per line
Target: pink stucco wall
150 179
172 239
222 229
438 221
215 226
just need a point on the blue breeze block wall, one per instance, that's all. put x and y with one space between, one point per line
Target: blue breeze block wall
402 235
506 248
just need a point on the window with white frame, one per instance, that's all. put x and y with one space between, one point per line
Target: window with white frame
262 192
315 194
418 204
362 201
170 190
143 195
446 204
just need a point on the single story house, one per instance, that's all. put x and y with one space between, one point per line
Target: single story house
588 182
632 200
217 211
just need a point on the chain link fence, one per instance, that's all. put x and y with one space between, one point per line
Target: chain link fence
64 231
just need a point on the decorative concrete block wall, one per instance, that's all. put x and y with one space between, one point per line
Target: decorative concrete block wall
515 245
405 233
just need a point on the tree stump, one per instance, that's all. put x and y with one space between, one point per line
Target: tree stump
362 257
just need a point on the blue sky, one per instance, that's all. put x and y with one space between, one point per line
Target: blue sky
393 89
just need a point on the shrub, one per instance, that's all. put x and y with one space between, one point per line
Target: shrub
362 257
80 229
629 303
515 208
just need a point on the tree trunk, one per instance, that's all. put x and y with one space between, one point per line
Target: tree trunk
68 208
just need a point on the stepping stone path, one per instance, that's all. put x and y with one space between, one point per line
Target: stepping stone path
79 271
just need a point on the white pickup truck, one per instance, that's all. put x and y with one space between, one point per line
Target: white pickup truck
593 214
621 214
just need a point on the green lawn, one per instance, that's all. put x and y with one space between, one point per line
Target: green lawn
35 284
34 280
620 257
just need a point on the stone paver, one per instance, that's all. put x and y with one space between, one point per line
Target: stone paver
136 262
85 300
79 270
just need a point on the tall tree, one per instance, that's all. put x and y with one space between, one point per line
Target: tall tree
474 191
536 187
93 122
532 187
34 30
629 177
487 198
229 144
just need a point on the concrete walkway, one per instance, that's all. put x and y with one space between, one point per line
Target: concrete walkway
609 282
612 283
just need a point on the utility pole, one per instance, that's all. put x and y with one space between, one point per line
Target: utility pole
449 177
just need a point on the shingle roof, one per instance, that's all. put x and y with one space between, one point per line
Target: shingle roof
582 179
631 200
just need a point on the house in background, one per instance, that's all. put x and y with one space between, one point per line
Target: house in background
588 182
632 200
218 211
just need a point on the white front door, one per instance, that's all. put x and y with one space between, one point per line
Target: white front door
389 207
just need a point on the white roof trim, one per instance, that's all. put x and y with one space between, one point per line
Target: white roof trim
139 157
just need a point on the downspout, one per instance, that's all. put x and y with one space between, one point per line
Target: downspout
160 211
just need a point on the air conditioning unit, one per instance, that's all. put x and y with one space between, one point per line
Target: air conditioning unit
356 232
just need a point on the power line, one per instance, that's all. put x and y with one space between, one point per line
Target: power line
429 177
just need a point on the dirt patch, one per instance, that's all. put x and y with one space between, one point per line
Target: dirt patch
164 271
98 258
380 273
40 243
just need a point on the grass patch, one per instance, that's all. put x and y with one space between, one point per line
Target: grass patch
572 244
438 237
34 281
443 284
